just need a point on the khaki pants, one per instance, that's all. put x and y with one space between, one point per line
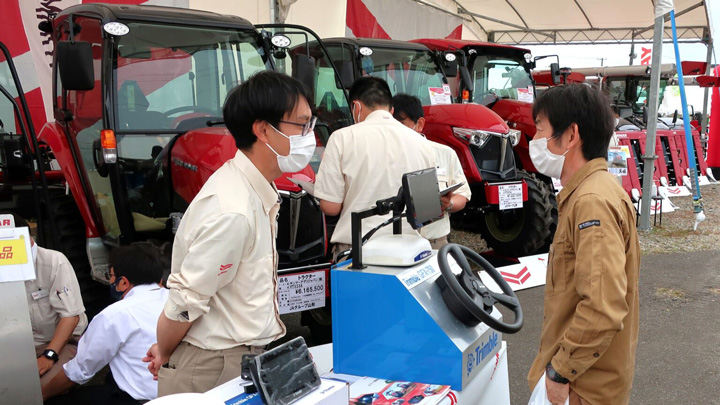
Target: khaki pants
67 353
439 242
192 369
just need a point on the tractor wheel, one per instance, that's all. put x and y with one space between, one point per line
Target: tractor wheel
521 232
553 224
320 323
65 216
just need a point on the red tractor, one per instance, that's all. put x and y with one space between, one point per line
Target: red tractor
514 209
138 129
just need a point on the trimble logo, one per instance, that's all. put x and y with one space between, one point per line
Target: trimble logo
483 350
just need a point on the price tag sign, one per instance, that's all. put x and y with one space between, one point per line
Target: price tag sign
15 255
300 292
511 196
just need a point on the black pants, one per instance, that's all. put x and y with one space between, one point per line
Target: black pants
106 394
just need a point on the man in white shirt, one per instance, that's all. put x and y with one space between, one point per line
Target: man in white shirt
408 110
223 283
119 336
57 313
365 162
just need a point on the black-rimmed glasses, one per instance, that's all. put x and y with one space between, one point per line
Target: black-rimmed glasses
306 127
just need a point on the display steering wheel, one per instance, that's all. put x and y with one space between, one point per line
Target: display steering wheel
468 298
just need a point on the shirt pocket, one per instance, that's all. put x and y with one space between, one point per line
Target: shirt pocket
559 257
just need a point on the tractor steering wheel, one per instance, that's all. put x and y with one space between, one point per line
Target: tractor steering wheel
468 298
190 108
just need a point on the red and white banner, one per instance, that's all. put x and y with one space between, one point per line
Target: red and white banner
31 49
399 19
530 272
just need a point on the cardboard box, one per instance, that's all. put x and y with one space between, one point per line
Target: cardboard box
330 392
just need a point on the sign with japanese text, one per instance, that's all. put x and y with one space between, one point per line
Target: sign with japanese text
300 292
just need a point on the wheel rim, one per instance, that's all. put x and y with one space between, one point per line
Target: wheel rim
501 233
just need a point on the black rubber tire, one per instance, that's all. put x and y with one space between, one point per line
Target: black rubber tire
530 226
65 217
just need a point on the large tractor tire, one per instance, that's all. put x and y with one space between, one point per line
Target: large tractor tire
521 232
64 217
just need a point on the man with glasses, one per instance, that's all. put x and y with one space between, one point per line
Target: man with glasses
364 163
223 282
118 336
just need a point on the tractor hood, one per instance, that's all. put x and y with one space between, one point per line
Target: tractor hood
471 116
197 154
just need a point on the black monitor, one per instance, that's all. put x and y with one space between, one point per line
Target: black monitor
422 197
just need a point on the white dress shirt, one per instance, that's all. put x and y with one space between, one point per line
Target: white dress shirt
121 335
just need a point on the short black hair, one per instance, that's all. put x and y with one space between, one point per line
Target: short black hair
139 262
371 91
589 109
265 96
407 106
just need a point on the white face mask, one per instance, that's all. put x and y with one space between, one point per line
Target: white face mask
302 148
617 121
545 161
33 248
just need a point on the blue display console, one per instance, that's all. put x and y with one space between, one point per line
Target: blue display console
392 323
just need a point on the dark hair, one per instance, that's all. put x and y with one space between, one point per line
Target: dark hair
139 262
371 91
265 96
407 106
579 104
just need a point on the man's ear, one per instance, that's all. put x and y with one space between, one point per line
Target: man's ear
420 124
260 128
574 139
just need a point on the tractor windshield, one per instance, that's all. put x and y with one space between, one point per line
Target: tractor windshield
166 75
407 71
496 76
632 91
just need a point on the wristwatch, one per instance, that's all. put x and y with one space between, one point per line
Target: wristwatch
553 375
449 207
51 354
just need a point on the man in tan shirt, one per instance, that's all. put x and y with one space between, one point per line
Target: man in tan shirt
57 313
223 285
364 163
590 325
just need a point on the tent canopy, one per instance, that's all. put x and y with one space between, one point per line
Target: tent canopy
578 21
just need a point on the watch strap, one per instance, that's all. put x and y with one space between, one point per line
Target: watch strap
553 375
51 354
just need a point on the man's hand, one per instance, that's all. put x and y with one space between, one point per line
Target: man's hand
44 365
557 393
155 360
446 202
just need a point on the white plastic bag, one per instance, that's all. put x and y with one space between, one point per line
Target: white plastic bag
539 394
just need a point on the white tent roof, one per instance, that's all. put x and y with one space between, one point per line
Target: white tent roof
578 21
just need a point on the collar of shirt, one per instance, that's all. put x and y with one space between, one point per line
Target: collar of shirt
380 116
267 191
585 171
141 289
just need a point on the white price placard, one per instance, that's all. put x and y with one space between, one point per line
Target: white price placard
511 196
300 292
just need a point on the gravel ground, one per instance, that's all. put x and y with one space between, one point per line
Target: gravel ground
675 234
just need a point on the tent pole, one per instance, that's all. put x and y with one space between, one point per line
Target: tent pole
649 158
632 50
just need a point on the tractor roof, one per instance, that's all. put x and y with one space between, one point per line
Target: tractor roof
444 44
378 43
157 14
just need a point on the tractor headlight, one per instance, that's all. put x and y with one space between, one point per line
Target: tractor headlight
514 136
473 136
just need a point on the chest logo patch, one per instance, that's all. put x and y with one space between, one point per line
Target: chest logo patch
224 268
588 224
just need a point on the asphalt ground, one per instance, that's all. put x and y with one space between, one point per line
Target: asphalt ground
678 354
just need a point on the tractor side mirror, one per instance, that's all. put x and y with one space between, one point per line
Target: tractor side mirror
675 117
76 65
304 70
645 114
450 64
346 74
75 62
555 73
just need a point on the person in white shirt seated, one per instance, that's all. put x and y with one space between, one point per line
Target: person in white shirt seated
118 336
